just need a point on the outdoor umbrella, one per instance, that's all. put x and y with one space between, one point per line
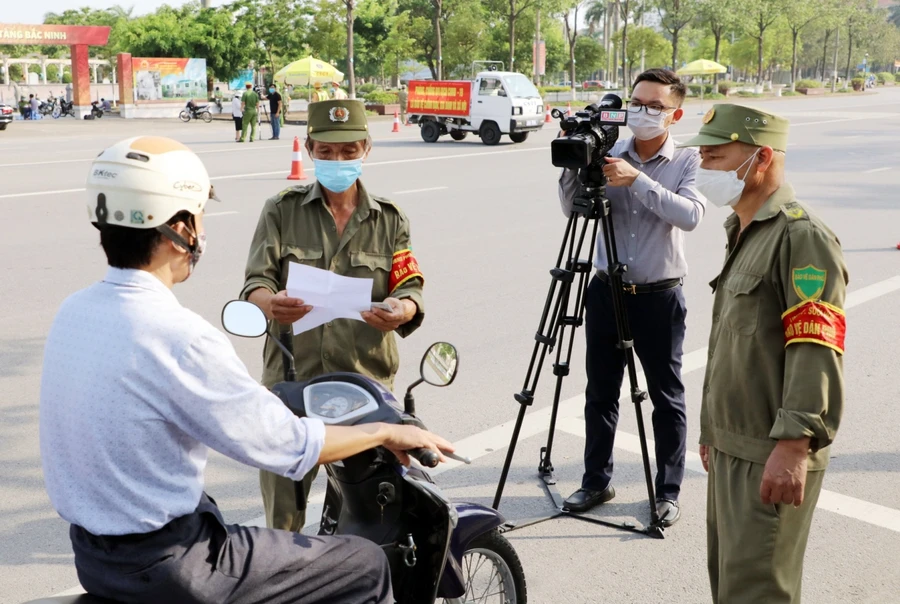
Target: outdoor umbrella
308 71
701 67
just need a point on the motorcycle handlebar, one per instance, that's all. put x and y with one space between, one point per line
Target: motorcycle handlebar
426 457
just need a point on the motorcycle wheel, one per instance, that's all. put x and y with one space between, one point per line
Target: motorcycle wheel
184 116
207 116
56 114
493 572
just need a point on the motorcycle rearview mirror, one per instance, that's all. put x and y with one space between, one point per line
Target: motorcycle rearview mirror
439 366
247 320
244 319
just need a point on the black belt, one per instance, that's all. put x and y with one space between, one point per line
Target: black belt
645 288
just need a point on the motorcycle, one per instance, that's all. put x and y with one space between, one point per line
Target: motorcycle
46 107
197 112
63 108
438 550
96 110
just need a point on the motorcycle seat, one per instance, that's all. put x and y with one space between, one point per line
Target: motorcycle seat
76 599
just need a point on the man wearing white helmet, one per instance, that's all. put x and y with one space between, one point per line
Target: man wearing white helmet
134 390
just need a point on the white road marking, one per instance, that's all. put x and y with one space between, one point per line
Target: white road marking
286 172
12 195
210 215
874 170
851 507
419 190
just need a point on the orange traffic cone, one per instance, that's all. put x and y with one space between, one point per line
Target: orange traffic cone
396 122
296 162
568 109
547 119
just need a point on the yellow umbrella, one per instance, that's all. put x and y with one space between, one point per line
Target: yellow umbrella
308 71
701 67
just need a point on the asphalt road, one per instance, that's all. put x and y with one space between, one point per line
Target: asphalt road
486 227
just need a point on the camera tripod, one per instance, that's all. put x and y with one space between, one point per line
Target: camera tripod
571 275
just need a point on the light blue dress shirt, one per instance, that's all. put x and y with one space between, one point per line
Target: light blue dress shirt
651 216
134 389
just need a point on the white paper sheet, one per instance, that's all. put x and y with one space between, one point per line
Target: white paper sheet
331 296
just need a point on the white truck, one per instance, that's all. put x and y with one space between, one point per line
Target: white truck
491 104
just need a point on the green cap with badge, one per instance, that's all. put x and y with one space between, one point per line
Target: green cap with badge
726 123
337 121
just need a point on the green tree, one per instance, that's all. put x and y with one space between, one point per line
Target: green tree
570 26
657 51
326 39
589 57
720 16
464 35
798 15
760 16
510 11
675 15
277 27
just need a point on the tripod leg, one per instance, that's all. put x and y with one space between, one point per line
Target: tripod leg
511 451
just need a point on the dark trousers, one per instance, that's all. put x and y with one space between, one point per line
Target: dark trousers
199 559
238 124
657 327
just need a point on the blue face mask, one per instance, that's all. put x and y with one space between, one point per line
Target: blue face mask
338 176
271 90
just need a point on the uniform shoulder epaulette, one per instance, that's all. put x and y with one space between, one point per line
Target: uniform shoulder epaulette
290 191
794 211
386 202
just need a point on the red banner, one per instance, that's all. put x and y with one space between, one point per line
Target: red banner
439 97
53 35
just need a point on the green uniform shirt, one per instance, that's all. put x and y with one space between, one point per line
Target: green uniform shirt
296 226
775 366
251 101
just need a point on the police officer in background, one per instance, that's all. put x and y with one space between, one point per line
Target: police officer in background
774 388
653 202
333 225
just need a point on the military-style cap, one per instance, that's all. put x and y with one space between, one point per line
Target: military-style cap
726 123
337 121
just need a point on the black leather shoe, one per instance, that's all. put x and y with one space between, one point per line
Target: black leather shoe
584 499
669 511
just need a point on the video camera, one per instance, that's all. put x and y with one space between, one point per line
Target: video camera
590 134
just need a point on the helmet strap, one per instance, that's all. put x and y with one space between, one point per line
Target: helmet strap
179 240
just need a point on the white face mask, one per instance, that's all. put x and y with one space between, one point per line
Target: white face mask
646 127
723 187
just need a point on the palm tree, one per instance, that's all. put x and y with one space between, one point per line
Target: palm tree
595 16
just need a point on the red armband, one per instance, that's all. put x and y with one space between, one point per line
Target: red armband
816 322
403 268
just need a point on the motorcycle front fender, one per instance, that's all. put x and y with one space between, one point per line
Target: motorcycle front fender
474 520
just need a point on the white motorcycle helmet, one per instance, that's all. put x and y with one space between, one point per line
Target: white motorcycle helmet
142 182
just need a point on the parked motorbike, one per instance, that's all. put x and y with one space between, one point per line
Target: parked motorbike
63 108
96 110
196 112
46 108
438 550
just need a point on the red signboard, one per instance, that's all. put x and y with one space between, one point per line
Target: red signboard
439 97
53 35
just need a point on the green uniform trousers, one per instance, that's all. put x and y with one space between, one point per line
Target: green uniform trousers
755 551
280 502
249 123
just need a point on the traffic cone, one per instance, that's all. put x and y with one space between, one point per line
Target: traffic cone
296 162
568 109
396 122
547 119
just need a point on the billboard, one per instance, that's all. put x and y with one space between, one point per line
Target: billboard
164 80
244 76
442 98
55 35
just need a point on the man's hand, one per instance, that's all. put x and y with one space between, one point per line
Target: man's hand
619 173
287 310
704 456
784 478
401 439
404 311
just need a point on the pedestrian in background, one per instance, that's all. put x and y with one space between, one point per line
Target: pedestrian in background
237 115
402 97
249 109
337 93
275 110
